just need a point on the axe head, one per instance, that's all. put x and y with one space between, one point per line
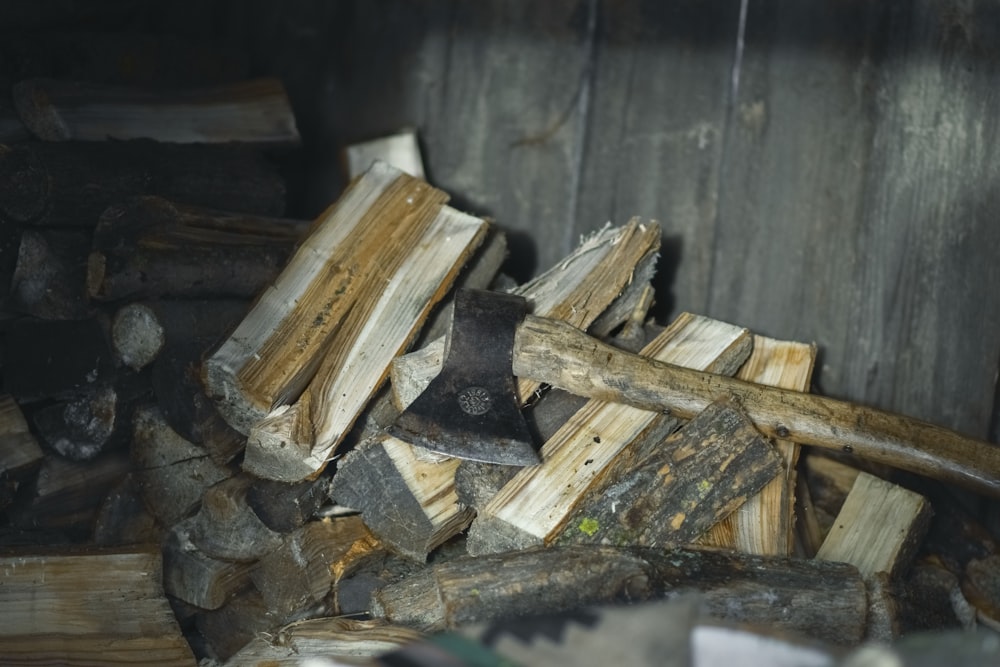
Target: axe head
470 410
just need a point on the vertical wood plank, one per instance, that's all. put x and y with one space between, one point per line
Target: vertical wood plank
655 131
856 200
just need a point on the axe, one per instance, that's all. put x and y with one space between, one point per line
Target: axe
470 409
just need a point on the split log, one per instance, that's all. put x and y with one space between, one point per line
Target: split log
56 358
695 478
317 347
302 571
56 611
829 482
533 508
69 184
192 577
285 507
818 599
879 528
401 150
409 502
255 112
338 639
19 450
150 247
765 523
345 382
65 496
226 528
425 511
173 473
50 277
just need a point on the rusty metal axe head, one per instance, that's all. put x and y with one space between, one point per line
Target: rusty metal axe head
470 410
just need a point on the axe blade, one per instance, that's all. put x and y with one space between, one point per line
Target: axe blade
470 410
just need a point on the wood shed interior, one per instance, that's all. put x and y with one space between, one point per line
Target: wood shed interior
824 171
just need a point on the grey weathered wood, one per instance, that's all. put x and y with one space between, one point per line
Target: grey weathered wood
172 473
225 526
822 600
656 129
856 180
148 247
65 495
197 579
301 572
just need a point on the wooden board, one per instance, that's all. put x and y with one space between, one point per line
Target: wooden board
56 611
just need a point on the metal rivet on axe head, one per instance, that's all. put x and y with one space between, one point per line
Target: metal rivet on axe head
470 409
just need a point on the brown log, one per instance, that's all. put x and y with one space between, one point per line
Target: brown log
87 609
342 640
694 479
70 184
410 503
305 362
229 628
818 599
148 247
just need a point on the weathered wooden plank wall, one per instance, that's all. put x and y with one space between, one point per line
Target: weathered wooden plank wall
823 171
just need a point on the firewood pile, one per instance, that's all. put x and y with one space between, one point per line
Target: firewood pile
198 461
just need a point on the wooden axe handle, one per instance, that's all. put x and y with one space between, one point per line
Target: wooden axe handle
561 355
